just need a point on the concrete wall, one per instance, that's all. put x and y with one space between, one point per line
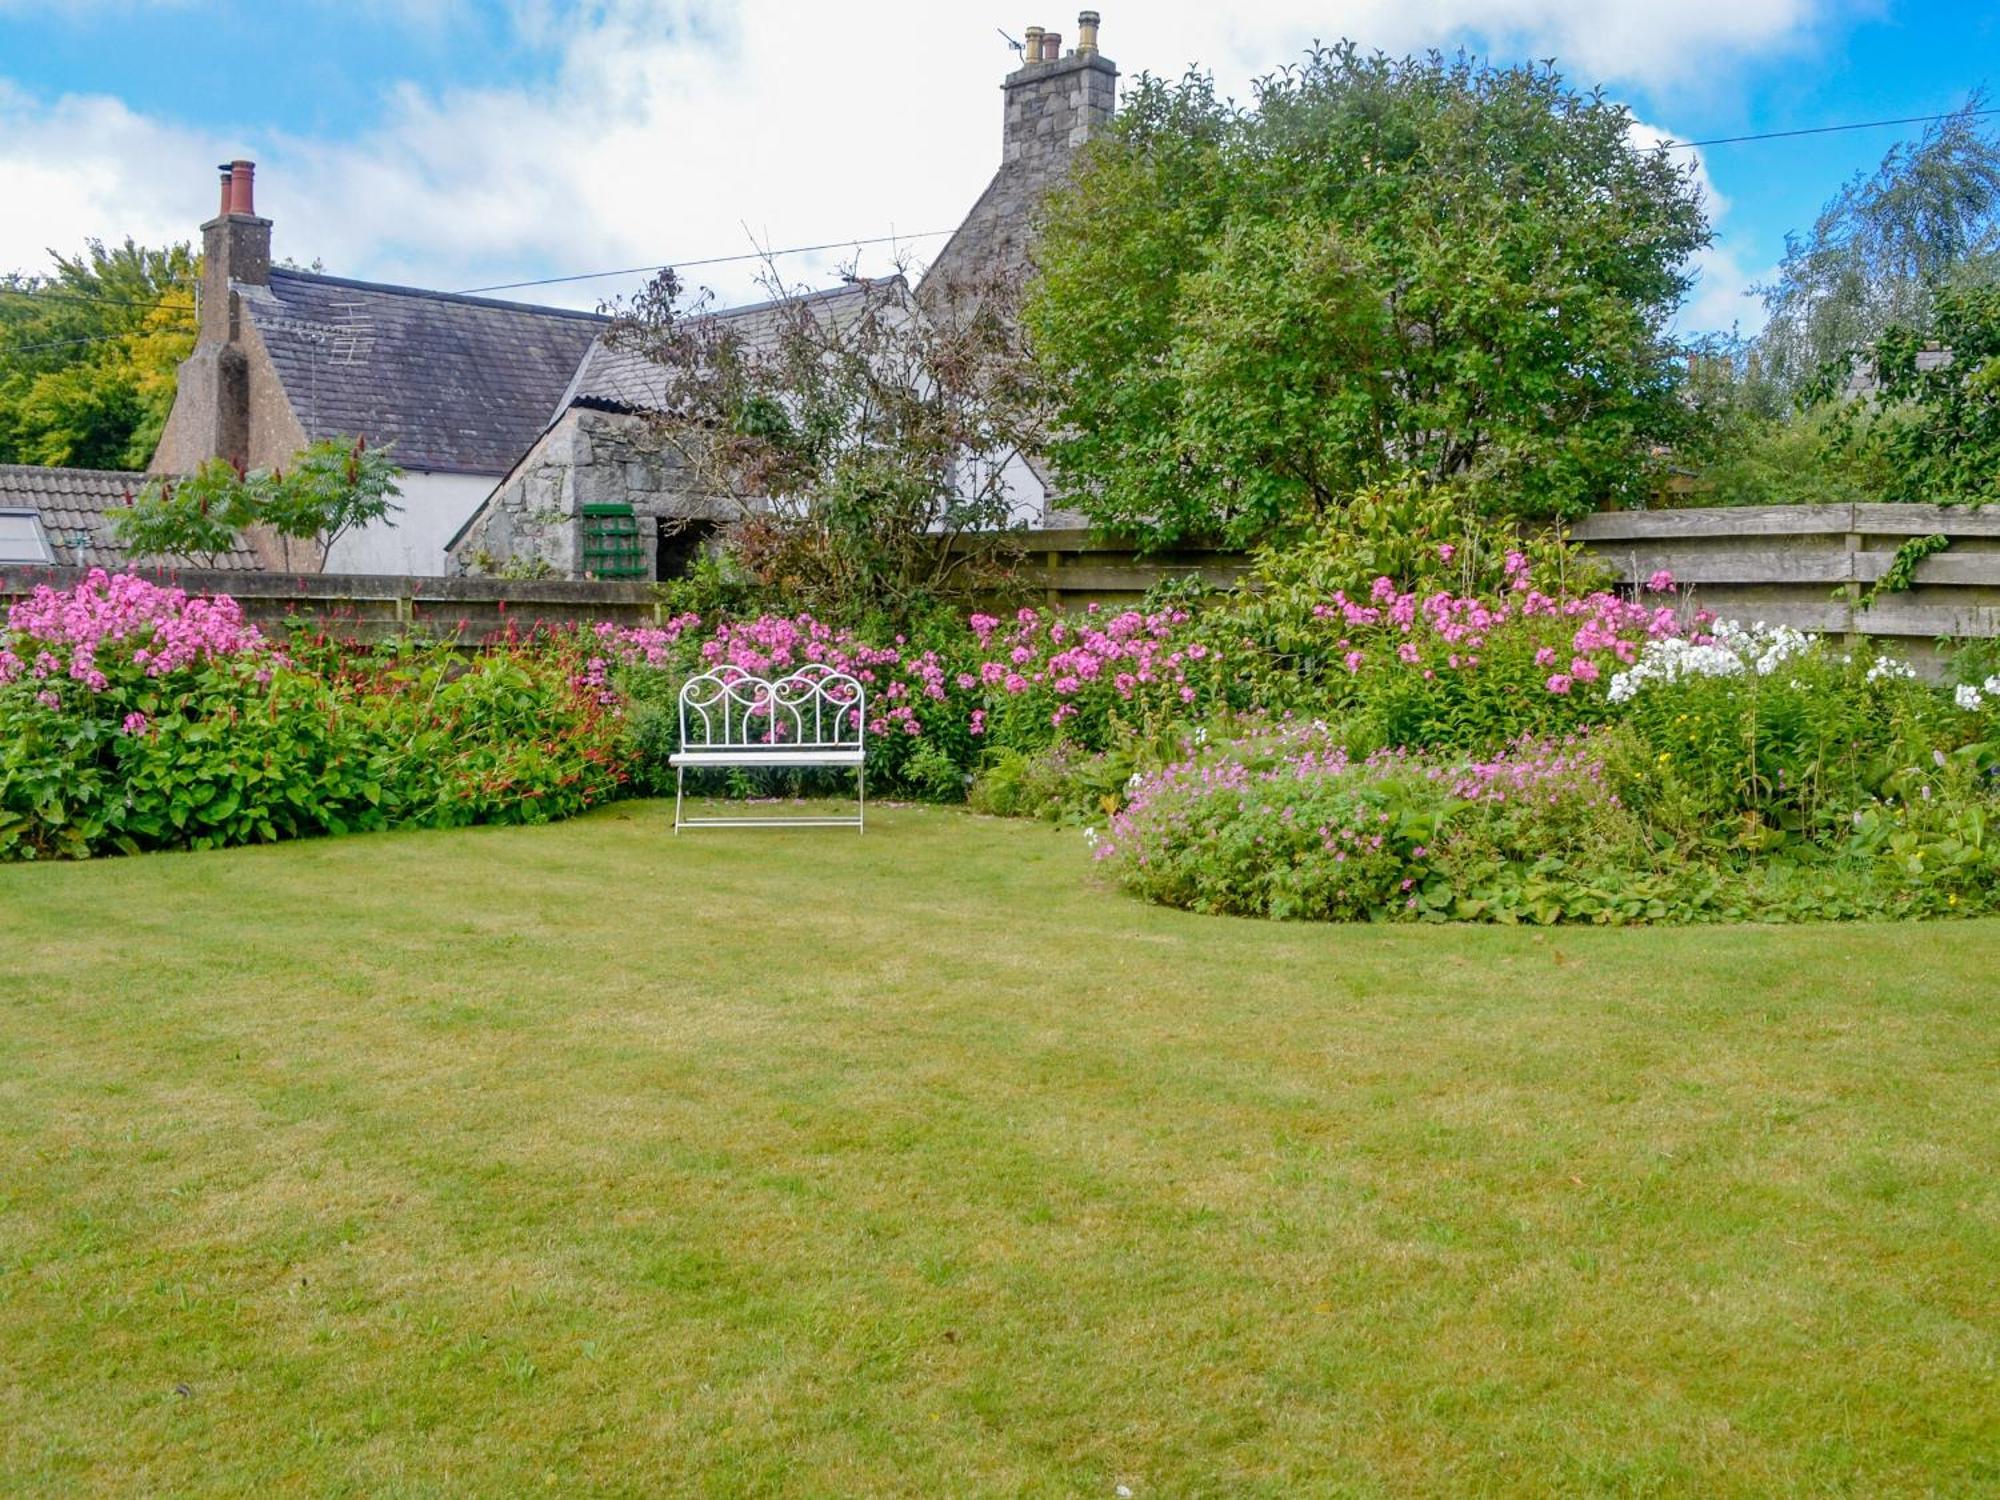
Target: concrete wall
434 507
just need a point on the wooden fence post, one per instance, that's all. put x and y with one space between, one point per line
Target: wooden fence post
1852 635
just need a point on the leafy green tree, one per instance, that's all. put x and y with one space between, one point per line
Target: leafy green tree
1385 266
1756 446
333 487
1938 399
1885 246
199 518
88 355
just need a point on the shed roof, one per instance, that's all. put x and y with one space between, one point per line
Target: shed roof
459 384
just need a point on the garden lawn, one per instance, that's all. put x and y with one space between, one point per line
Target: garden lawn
584 1159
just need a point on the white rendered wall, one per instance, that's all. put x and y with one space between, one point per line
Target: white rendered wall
434 506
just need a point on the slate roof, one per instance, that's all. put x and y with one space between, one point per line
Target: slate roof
628 381
460 385
75 506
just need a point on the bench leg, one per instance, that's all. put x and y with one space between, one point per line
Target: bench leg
861 799
680 786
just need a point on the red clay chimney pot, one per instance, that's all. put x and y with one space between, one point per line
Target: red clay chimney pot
242 187
225 191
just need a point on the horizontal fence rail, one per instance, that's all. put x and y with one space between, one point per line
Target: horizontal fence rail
1810 566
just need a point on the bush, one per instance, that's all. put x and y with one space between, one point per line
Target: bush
133 717
1285 824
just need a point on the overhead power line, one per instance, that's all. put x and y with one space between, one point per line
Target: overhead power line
95 338
64 294
1781 135
712 260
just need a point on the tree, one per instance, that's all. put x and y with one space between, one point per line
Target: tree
856 437
1384 266
1935 416
334 486
88 355
1885 246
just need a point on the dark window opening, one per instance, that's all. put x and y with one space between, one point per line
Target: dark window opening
681 542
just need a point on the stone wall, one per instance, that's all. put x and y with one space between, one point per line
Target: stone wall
533 521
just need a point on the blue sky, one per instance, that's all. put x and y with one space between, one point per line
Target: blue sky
460 142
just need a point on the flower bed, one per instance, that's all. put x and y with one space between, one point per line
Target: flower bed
134 717
1519 754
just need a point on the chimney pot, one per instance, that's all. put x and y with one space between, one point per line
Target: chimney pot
1032 52
1051 45
220 212
1086 33
242 187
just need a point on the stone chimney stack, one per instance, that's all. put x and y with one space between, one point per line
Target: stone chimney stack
1053 105
1054 101
211 414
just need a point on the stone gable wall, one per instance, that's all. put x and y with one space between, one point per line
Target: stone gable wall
534 518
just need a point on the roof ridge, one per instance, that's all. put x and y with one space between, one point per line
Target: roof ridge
26 469
394 290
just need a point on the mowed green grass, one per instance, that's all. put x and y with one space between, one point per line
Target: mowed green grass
585 1160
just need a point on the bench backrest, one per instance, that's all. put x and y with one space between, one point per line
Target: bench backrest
814 708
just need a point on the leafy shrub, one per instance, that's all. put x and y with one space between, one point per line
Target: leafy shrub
1285 824
133 717
1762 736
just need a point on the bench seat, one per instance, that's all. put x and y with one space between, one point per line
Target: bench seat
753 756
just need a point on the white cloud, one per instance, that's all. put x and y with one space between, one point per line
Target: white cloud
677 128
86 166
1721 299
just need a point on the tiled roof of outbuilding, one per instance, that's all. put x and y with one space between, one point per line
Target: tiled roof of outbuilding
627 379
75 506
458 384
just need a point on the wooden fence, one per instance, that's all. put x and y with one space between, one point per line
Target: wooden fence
1811 566
1070 569
1814 566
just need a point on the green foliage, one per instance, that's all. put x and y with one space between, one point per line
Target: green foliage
1755 446
335 486
1942 444
1386 264
200 517
88 355
1764 762
1901 573
243 750
1059 783
1884 247
872 433
1420 536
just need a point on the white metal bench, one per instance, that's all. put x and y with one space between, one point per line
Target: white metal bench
729 718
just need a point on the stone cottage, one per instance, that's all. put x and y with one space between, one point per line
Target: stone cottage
520 430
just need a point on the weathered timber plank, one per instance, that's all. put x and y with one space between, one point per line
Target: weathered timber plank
1734 521
1922 520
1636 563
1897 615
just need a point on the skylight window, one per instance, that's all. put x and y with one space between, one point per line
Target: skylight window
22 539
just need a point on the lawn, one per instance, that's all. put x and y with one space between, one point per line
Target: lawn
585 1159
